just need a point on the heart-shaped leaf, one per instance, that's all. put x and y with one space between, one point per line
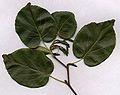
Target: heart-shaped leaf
95 42
34 24
29 67
66 24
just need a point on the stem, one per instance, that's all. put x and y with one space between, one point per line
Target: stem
67 82
68 74
57 79
75 61
45 45
70 87
59 61
70 40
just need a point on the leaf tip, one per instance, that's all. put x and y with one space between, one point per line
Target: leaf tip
112 21
29 4
4 55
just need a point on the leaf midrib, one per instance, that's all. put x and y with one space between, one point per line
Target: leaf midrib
63 24
92 46
35 23
99 35
39 33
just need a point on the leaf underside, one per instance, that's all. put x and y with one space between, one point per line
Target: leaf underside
95 42
30 68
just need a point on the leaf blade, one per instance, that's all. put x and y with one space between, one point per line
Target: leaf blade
95 42
28 67
66 24
34 24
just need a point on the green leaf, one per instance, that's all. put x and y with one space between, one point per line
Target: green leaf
66 24
30 68
95 42
34 24
43 49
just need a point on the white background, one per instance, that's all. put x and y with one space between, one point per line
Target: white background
101 80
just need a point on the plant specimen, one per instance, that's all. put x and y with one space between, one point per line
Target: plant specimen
31 67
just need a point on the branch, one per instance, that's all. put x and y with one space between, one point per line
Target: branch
59 61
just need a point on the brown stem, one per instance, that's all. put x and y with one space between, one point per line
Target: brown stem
67 82
68 71
68 74
70 87
59 61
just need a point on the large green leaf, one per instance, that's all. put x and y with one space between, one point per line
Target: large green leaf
35 24
29 67
95 42
66 24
